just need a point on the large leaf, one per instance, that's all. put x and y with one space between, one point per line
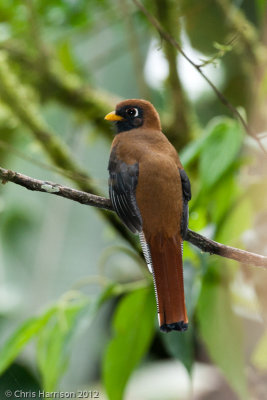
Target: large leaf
236 222
21 337
54 329
222 198
220 150
221 331
53 348
180 345
217 147
133 326
54 342
190 153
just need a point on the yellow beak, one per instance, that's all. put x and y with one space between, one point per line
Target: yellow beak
112 116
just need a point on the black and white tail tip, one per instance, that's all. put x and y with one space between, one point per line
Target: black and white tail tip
146 252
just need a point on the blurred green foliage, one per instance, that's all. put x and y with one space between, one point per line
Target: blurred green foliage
132 337
77 307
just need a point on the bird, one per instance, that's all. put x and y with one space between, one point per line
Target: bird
150 190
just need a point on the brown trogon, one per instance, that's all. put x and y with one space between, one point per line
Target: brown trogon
149 191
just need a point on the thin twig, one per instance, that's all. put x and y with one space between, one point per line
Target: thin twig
245 30
212 247
203 243
222 50
166 36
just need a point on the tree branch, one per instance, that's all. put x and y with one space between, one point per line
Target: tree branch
170 39
179 129
134 48
16 96
203 243
89 199
52 81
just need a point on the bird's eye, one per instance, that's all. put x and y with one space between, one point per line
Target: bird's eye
132 112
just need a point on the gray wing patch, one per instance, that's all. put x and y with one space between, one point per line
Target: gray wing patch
123 180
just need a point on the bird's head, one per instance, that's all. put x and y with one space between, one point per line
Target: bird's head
134 113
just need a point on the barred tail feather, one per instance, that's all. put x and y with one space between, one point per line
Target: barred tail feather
146 251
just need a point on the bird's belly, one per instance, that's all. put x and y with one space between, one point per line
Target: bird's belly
159 197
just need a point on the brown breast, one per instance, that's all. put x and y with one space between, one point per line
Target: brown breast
159 190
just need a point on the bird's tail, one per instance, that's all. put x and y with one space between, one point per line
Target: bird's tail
167 269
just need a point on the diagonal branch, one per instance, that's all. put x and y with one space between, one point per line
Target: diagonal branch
52 81
170 39
6 175
16 97
203 243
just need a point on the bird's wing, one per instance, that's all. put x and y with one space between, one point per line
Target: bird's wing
186 188
123 180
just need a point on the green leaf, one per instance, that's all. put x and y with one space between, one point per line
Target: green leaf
221 330
21 337
220 150
109 292
54 329
222 47
192 151
223 197
259 356
53 347
133 326
180 345
236 222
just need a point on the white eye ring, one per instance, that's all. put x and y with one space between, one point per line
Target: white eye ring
132 112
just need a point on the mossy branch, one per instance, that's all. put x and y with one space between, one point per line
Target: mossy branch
53 82
17 98
134 48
